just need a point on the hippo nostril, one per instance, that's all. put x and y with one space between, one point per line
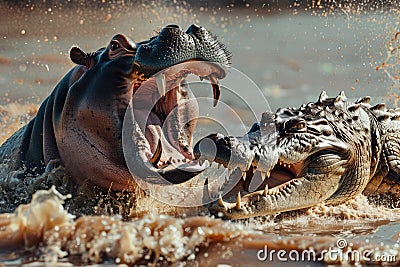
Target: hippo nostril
193 28
174 26
169 30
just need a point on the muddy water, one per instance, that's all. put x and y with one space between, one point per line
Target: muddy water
290 55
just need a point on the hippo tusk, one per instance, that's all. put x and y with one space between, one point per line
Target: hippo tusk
157 154
161 84
216 89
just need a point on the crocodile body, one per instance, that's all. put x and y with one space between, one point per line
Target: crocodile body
322 152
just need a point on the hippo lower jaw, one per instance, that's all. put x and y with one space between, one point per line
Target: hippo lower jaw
164 123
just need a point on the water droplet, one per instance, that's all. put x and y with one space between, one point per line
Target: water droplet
22 67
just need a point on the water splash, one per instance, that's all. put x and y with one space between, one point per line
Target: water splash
152 239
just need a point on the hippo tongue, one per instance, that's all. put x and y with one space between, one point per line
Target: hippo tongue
137 156
162 147
181 123
174 129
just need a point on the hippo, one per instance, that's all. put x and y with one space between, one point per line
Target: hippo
80 123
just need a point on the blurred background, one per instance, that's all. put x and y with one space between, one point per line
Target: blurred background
291 49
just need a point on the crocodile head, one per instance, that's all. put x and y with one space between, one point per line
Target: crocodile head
295 158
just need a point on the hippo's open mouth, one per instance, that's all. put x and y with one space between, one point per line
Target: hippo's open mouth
167 113
164 107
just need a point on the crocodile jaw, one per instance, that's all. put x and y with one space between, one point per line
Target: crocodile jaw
290 179
304 191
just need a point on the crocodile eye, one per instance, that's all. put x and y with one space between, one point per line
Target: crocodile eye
327 132
300 126
296 125
114 45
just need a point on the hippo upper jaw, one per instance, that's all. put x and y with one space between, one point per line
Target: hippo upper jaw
196 43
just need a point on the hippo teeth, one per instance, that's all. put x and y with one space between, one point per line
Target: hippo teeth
157 154
216 89
161 84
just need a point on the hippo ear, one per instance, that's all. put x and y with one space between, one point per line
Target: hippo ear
79 57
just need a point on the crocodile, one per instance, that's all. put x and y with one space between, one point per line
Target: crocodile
81 122
327 151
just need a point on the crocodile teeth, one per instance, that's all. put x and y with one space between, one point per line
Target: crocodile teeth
269 173
248 166
206 192
216 89
266 190
201 161
221 201
244 176
170 159
238 201
157 154
263 174
161 84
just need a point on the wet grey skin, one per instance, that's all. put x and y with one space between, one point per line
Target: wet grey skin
81 122
323 152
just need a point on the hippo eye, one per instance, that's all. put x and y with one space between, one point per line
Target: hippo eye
114 45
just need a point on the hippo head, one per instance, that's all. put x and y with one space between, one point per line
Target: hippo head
129 105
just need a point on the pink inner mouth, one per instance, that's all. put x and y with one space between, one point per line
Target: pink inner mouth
283 173
279 176
170 113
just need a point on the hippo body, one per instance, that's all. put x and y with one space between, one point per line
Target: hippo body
81 122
